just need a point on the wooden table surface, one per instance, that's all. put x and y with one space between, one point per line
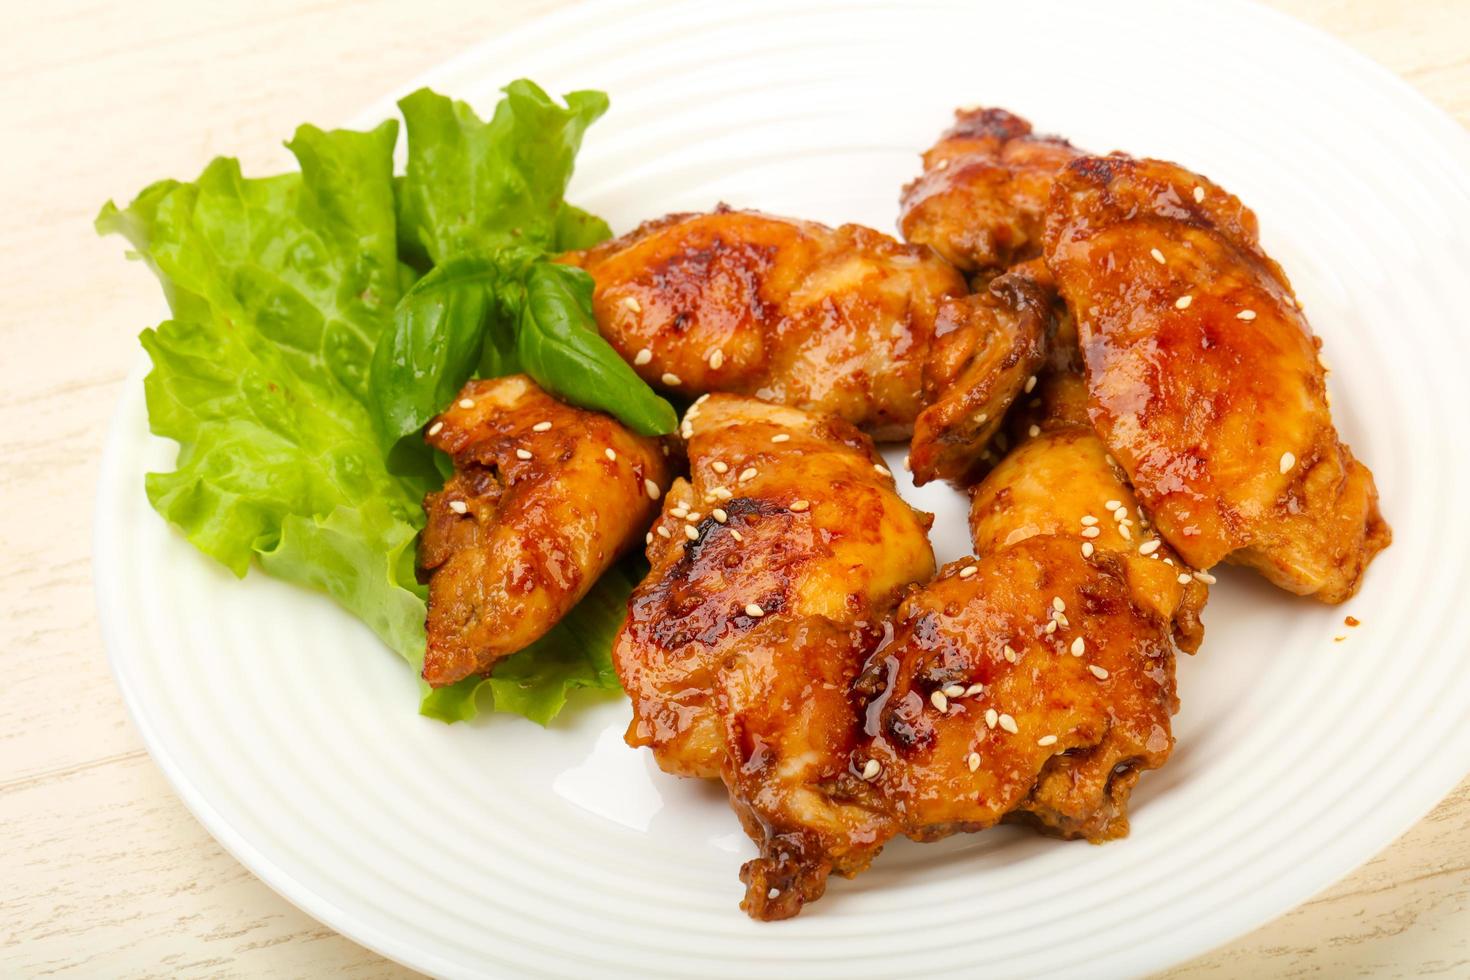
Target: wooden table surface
102 870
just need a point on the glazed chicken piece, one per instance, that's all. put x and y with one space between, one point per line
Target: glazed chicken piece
772 569
544 498
1204 377
980 372
844 321
1035 682
982 197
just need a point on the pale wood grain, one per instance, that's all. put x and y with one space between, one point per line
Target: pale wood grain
102 870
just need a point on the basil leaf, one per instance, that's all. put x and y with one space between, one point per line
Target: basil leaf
559 346
431 349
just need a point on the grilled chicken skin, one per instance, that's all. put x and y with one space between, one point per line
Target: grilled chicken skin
979 373
544 498
844 321
1204 378
1034 682
982 198
772 569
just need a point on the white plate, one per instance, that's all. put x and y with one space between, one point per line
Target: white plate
496 847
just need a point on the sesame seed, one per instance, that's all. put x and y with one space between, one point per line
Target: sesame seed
781 437
1030 384
632 304
686 430
1149 546
1079 647
1047 740
1058 604
1088 520
643 357
955 691
693 516
967 571
1199 195
466 403
974 689
1051 627
1288 460
648 538
691 532
1112 505
1185 578
1034 431
1123 530
671 379
716 359
541 427
1091 532
1206 577
720 466
652 489
436 428
721 493
1101 673
459 506
881 470
719 515
1246 315
982 418
680 512
523 454
663 532
799 505
991 718
940 702
871 768
1087 549
754 610
610 454
747 474
1182 303
973 761
736 535
1158 256
1010 655
1009 724
1061 619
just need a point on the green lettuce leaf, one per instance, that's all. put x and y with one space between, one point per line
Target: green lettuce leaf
283 290
280 288
577 230
473 187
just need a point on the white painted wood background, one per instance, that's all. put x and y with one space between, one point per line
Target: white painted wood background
102 870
